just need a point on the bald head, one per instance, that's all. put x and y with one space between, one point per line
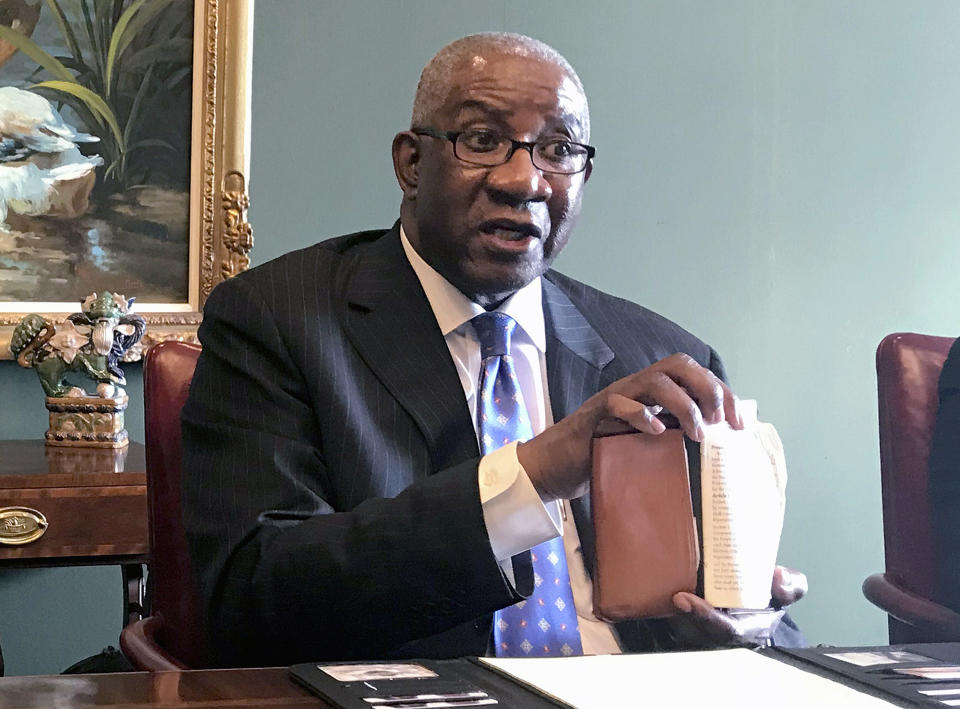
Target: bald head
435 79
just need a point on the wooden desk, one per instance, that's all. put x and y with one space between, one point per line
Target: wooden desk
95 503
94 499
223 689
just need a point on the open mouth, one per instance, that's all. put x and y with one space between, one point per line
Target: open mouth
510 230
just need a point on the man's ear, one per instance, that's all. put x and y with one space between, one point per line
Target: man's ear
586 173
406 162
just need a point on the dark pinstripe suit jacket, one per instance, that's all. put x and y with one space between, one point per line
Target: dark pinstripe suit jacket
330 463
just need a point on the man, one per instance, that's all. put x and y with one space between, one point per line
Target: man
945 480
335 494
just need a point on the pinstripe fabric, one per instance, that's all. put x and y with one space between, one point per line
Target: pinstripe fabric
330 492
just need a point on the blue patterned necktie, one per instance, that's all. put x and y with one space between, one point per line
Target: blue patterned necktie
546 623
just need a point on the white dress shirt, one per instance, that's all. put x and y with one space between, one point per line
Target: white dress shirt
515 516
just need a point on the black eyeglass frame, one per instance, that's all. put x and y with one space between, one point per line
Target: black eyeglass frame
453 135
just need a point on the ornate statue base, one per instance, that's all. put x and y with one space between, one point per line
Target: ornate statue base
87 421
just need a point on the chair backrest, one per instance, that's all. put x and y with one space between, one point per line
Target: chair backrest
168 369
908 370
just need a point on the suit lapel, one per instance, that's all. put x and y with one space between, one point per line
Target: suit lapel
576 356
389 320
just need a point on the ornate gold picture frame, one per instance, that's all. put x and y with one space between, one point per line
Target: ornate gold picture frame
220 238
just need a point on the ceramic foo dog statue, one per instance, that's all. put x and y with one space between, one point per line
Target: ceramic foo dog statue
90 343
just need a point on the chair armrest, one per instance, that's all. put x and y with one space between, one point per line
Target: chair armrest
139 643
941 623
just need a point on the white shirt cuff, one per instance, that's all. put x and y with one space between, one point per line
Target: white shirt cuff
516 518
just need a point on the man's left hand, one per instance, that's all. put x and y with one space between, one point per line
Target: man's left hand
699 624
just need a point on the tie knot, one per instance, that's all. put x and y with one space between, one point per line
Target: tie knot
494 331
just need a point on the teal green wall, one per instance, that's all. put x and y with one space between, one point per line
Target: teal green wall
779 177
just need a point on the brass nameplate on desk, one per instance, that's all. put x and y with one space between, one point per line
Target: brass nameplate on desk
21 525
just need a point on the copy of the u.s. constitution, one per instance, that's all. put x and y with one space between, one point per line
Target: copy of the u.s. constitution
647 518
743 479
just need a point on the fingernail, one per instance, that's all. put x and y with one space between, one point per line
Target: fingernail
785 577
683 603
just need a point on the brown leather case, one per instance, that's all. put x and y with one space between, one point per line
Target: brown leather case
646 534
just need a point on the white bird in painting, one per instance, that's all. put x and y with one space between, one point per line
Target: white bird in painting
42 172
32 121
63 190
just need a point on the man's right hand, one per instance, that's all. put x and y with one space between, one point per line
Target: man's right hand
558 460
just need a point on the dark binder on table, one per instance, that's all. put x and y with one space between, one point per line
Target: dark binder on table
887 680
462 680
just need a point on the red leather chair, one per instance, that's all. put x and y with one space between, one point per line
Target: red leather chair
172 637
908 369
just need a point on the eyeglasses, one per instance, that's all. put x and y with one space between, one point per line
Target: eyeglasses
489 149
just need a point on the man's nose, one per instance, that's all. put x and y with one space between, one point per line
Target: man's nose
518 180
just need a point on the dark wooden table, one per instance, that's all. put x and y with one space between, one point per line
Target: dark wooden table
224 689
95 504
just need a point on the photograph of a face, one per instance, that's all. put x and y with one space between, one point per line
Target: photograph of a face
95 125
373 671
868 658
945 672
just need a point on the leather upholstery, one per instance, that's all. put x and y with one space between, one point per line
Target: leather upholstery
176 623
908 370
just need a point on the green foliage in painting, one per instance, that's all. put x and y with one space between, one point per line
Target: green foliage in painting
128 62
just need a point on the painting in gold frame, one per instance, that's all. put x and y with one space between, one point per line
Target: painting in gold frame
218 239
